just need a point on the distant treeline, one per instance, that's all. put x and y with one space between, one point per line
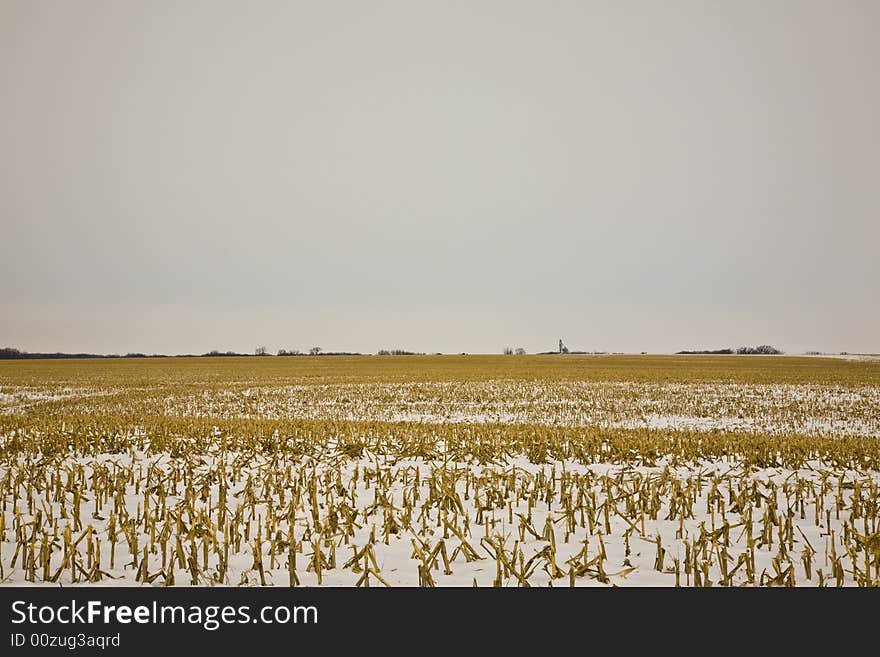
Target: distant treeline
764 349
10 353
297 352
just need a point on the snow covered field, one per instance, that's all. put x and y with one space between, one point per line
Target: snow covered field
772 409
545 480
410 522
17 399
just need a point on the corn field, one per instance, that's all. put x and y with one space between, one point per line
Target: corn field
441 471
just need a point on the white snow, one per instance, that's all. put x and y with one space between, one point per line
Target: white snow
394 553
777 409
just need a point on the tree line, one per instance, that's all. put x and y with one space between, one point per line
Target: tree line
764 350
11 353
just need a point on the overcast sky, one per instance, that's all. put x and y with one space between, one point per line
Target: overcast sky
439 176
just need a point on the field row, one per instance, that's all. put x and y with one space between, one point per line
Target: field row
772 409
777 409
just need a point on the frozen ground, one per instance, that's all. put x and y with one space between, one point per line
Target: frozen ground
856 357
335 513
771 409
526 513
18 399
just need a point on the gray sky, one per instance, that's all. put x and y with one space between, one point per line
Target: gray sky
439 176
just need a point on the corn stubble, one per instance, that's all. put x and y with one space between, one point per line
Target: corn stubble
108 482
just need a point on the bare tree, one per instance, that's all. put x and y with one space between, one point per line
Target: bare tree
314 351
508 351
261 351
520 351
